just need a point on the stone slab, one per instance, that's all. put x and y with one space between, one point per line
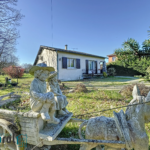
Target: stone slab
51 131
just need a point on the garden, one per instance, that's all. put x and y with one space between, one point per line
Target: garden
87 98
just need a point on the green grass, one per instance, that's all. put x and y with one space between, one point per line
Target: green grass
23 84
92 101
114 82
22 87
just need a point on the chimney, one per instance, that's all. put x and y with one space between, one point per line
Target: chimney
66 47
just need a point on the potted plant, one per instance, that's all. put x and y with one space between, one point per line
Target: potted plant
14 83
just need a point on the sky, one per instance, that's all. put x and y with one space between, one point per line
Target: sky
92 26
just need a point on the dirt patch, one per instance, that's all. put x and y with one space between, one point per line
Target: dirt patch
127 90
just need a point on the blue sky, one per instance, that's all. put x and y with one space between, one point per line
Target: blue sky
92 26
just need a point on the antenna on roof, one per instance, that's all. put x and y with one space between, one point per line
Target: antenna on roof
74 48
52 21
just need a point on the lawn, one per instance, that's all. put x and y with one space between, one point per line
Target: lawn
113 82
23 85
102 94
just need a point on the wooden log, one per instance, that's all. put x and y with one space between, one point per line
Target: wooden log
57 141
76 120
7 118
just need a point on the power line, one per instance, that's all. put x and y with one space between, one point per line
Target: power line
74 48
52 21
110 109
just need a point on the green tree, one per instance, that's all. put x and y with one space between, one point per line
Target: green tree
131 50
146 45
148 33
132 57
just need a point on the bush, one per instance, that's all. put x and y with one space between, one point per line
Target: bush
127 90
14 72
111 71
105 74
130 67
122 70
138 76
80 88
148 70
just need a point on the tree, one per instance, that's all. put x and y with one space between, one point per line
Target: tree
133 57
148 33
27 67
131 50
146 45
9 20
13 71
7 61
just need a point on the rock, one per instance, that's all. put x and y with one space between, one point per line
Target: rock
71 91
11 107
23 107
15 96
27 93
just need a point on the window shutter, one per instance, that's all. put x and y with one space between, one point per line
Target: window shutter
78 63
95 67
64 62
86 62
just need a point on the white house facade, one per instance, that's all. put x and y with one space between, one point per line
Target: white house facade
71 65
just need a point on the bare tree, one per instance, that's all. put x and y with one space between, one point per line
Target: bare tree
10 60
9 20
27 67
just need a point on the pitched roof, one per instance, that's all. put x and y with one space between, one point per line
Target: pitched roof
62 50
111 55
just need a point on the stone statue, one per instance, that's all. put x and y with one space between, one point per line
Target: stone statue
60 99
128 127
40 100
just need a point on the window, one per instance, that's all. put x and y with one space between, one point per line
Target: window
91 65
113 58
70 63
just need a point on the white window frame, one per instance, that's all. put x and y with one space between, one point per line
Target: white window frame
69 63
92 63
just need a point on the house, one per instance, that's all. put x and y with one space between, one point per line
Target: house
111 58
71 65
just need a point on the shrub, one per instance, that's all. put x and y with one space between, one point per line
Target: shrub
14 72
138 76
105 74
80 88
111 71
131 67
127 90
148 70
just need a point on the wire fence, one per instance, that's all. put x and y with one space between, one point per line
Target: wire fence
111 109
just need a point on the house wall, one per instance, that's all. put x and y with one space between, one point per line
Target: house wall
49 57
110 58
74 74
